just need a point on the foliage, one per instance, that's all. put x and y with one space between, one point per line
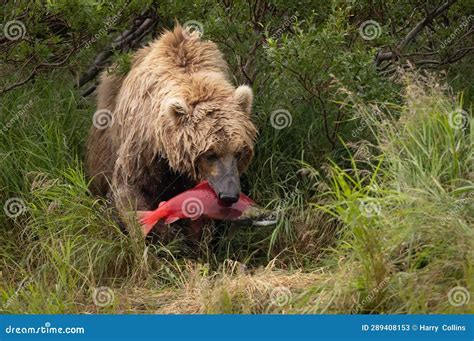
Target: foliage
369 168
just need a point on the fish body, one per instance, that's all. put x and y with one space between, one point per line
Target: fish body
193 204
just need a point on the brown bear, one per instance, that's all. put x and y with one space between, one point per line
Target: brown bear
175 119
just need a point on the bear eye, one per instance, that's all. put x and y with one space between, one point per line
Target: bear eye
241 154
211 157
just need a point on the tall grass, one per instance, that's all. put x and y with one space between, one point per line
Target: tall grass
407 217
389 230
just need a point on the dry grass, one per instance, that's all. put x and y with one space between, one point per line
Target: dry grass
232 289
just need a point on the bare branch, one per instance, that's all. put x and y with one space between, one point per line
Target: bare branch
19 83
430 15
126 40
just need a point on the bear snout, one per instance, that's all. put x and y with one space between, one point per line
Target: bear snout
228 189
229 198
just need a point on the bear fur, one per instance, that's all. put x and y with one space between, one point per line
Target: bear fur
175 106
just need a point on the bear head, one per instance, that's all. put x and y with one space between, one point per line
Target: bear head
178 104
206 130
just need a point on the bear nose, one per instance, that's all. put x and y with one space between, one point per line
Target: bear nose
229 198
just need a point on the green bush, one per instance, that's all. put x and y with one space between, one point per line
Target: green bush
370 169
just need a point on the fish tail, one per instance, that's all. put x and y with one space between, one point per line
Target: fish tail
148 219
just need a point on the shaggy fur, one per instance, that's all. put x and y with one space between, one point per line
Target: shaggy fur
175 105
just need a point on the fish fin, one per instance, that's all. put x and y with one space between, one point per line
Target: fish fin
202 184
171 220
148 219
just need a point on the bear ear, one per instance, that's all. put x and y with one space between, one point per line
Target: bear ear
174 107
244 96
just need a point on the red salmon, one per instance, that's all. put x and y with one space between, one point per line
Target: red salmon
193 204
